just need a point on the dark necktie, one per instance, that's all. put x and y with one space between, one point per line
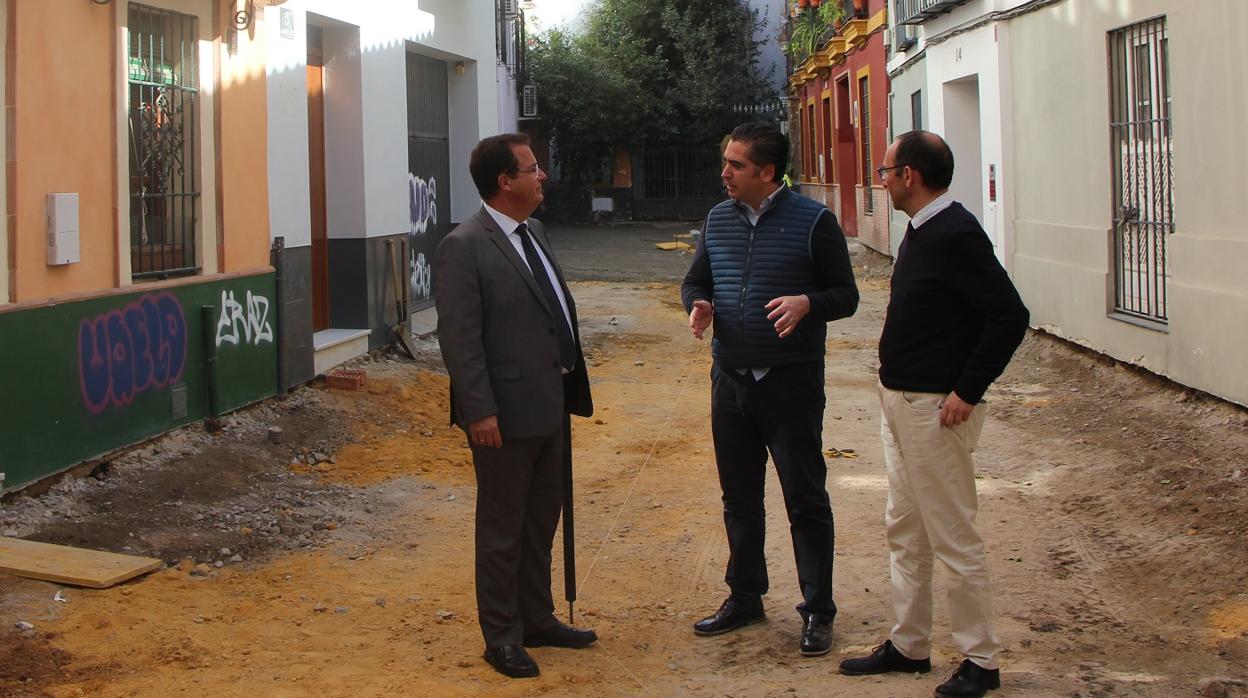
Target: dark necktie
567 344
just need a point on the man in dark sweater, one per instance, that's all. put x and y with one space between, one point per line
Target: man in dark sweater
954 320
771 271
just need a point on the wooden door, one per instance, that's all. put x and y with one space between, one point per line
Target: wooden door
316 180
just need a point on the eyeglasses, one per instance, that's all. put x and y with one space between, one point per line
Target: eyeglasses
879 171
529 170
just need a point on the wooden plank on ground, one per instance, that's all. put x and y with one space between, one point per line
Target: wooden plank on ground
75 566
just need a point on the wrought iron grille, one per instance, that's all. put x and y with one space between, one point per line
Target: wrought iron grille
1143 165
163 113
682 172
510 38
864 130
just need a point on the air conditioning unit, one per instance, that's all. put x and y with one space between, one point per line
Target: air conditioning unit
509 8
528 102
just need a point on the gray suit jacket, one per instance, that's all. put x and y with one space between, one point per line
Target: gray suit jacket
497 336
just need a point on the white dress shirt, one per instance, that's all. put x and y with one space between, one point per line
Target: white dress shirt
933 207
508 227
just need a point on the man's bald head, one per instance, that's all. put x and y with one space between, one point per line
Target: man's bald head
929 155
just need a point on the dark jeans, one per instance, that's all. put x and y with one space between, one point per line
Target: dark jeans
783 414
519 497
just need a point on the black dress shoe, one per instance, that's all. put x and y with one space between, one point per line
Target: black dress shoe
884 659
733 614
511 660
816 635
969 681
561 635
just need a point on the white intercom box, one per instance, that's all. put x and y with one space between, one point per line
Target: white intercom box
62 214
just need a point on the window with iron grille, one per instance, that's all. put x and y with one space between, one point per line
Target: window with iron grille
163 116
864 130
1142 167
916 110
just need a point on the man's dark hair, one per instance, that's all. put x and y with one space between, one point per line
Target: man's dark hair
493 157
929 155
767 145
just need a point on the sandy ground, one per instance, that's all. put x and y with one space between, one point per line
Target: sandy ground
1113 505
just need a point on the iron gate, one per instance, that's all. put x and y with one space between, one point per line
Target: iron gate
429 171
682 173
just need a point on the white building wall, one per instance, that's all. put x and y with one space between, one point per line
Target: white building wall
368 175
1064 264
964 105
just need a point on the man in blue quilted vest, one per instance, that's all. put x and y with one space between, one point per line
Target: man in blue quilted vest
771 271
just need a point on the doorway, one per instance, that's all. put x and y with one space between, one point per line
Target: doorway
846 174
429 170
316 178
962 129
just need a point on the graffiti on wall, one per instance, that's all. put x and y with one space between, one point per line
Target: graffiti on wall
248 323
124 352
423 208
422 202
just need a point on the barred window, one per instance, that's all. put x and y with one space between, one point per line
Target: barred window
1142 168
163 75
864 131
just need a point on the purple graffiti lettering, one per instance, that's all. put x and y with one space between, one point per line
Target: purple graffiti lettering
120 368
125 352
141 342
173 338
93 364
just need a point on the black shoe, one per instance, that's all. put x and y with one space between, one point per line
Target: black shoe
511 660
733 614
969 681
816 635
561 635
884 659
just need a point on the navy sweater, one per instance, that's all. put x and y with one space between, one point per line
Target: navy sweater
954 317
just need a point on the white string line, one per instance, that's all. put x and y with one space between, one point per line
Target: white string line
625 669
667 419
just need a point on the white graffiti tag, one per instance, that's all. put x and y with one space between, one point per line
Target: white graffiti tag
422 203
422 277
254 320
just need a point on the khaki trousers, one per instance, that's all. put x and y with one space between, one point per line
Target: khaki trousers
931 515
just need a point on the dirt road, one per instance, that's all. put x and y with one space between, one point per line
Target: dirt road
1113 506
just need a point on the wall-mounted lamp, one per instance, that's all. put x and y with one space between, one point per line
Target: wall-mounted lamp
459 68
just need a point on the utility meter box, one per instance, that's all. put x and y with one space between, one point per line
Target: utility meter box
62 215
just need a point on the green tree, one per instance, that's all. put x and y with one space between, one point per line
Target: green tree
654 72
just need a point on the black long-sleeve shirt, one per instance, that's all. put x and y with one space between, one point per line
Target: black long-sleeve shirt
954 317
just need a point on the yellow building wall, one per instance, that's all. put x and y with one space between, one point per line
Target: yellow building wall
62 120
65 94
243 148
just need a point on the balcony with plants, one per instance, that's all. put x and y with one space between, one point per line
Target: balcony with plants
819 33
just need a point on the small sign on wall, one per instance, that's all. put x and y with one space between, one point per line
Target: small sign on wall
288 23
992 182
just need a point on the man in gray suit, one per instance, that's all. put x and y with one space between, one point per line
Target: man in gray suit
509 338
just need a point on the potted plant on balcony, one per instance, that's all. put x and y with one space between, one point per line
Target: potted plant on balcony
809 20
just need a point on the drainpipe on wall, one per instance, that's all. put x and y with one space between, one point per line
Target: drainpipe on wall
279 302
208 315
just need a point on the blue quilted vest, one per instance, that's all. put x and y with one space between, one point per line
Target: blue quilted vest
751 265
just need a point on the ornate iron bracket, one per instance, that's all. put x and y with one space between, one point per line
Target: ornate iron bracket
244 16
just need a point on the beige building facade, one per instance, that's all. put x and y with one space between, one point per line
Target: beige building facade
1128 164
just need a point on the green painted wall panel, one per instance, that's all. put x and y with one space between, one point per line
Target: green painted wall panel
82 378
